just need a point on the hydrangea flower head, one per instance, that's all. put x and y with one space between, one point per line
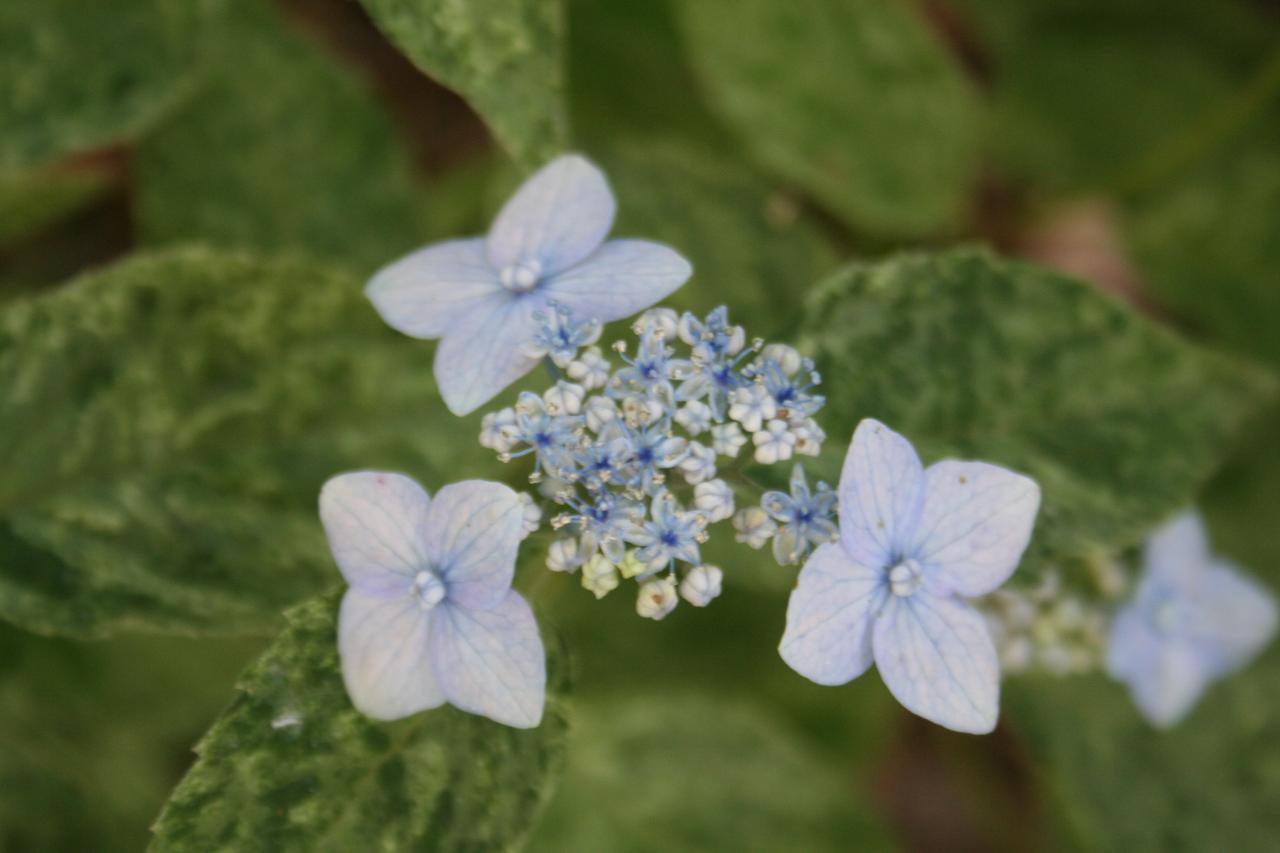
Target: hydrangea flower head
429 616
489 298
914 543
1193 620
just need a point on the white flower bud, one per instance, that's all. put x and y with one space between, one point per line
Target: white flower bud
599 576
657 598
727 439
786 356
774 443
694 416
498 430
600 411
531 513
737 340
752 406
562 556
714 499
809 437
663 320
701 585
700 463
564 398
686 329
591 369
754 527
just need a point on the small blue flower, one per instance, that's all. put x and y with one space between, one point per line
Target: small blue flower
914 544
670 534
604 521
652 450
649 373
429 616
552 438
560 334
480 295
803 517
790 391
1194 619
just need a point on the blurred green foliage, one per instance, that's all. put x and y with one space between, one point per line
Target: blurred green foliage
169 418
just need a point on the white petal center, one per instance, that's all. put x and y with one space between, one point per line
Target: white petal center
429 589
522 276
905 578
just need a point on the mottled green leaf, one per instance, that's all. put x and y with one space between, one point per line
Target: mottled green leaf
167 426
689 772
77 75
280 148
970 355
506 58
97 734
1115 784
855 101
292 765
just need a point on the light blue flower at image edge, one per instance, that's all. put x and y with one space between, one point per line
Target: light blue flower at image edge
1194 619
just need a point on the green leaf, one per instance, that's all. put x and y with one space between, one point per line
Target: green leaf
97 734
32 200
505 58
1114 783
856 102
77 75
292 765
689 772
966 354
166 429
280 148
1071 81
751 246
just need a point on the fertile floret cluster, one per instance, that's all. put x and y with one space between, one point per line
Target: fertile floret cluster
633 454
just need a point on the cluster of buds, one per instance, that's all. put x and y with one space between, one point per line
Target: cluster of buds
1046 629
632 456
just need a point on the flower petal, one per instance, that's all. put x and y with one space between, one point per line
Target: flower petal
1231 618
1177 552
974 524
1163 681
473 532
491 662
559 216
937 658
386 663
428 292
486 352
375 524
829 616
622 278
880 493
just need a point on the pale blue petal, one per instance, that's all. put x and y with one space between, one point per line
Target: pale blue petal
621 279
375 524
491 662
386 662
1231 618
974 524
426 293
937 658
486 352
1132 645
1166 690
880 493
558 217
1177 552
473 533
829 617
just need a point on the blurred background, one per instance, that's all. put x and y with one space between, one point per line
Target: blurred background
1131 143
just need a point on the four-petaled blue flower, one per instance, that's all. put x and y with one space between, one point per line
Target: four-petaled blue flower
1194 619
914 543
430 616
481 296
670 534
804 518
